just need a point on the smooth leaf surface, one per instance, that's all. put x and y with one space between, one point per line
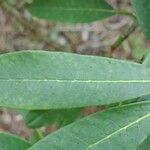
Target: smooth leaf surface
145 145
11 142
142 9
72 11
36 80
119 128
147 64
39 118
147 61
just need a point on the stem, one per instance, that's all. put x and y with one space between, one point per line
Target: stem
123 37
125 13
39 133
36 136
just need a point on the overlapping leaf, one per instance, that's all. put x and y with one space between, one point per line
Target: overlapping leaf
8 142
43 80
142 8
73 11
145 145
119 128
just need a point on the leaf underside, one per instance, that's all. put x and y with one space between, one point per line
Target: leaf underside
52 80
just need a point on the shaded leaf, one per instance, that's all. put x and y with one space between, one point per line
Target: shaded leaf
145 145
52 80
73 11
11 142
119 128
142 9
39 118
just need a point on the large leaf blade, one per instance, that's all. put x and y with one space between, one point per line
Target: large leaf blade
142 9
119 128
36 119
43 80
8 141
73 11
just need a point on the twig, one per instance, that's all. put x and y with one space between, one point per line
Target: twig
125 13
39 133
123 37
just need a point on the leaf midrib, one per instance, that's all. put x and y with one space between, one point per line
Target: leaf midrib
75 81
120 130
79 9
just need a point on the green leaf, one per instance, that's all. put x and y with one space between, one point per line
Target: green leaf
37 80
72 11
147 64
145 145
11 142
139 53
119 128
39 118
142 9
147 61
36 136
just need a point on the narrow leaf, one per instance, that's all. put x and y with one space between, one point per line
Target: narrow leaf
142 9
72 11
11 142
119 128
52 80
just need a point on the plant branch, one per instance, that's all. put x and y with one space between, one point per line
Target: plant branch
125 13
39 133
36 136
123 37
